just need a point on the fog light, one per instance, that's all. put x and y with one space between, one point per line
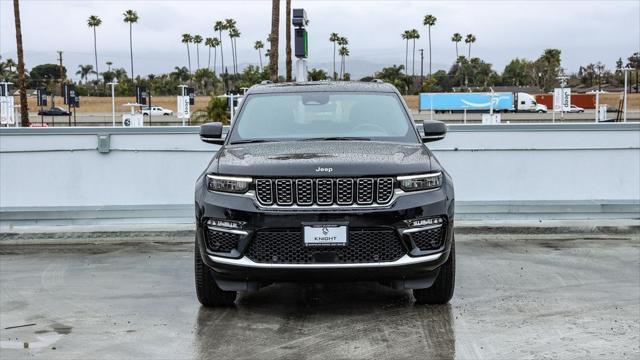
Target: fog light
424 221
230 224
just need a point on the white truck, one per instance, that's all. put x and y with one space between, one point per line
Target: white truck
156 111
480 102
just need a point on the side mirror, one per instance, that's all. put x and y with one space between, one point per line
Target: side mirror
211 133
433 130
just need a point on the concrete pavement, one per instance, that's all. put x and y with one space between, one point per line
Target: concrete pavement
515 298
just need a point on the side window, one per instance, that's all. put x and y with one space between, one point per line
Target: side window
522 102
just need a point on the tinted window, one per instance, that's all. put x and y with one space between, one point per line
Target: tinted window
285 116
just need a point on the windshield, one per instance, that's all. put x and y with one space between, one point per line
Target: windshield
323 116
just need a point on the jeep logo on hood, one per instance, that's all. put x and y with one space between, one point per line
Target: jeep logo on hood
321 169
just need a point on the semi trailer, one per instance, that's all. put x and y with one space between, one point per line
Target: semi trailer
480 102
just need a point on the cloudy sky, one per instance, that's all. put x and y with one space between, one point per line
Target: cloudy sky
585 31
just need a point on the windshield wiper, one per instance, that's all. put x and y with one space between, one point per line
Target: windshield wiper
337 138
250 141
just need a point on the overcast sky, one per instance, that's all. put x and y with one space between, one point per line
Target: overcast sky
585 31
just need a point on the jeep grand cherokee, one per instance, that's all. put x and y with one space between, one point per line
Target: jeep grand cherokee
324 181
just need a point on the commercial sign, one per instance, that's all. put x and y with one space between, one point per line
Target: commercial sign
142 95
132 120
42 97
7 115
561 99
184 107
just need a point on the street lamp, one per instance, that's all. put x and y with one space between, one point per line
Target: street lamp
113 102
624 113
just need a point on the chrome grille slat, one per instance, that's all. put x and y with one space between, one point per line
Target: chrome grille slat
325 191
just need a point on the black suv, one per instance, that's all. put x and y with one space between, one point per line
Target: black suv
324 181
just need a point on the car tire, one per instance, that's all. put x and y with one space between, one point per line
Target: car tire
442 289
208 292
166 114
540 111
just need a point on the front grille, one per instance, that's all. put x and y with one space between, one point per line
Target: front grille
286 246
324 191
220 241
431 239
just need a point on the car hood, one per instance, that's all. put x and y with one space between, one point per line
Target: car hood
321 159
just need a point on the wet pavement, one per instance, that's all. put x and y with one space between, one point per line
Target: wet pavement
544 298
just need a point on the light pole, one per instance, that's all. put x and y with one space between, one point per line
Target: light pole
113 102
624 113
421 67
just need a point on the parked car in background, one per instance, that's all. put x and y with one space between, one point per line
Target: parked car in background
575 109
54 111
157 111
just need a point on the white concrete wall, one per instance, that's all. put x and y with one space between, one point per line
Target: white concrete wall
42 168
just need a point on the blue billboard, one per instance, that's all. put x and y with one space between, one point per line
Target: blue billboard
466 101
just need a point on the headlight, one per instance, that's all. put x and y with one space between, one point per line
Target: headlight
229 184
420 182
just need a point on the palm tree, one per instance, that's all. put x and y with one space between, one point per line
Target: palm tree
10 64
414 35
429 21
230 26
234 34
456 38
109 63
219 26
197 39
131 17
186 39
208 42
470 39
334 37
84 71
259 45
343 52
24 109
274 39
406 35
288 64
93 22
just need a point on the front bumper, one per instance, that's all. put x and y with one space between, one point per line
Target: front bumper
415 268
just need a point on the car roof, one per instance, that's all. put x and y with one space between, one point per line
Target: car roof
321 86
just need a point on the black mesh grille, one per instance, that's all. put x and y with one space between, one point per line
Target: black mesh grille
324 191
219 241
431 239
344 193
284 192
304 191
284 246
365 191
385 190
264 191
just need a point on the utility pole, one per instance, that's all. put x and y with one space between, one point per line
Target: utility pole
61 76
624 113
421 67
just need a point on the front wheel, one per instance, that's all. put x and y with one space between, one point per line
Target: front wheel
442 289
209 294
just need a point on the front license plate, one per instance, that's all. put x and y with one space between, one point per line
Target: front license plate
325 235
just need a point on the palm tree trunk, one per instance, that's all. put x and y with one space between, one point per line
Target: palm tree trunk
24 109
189 59
413 59
274 38
209 59
469 51
215 60
288 41
233 56
406 57
95 53
457 56
131 48
198 54
235 49
221 54
429 51
260 58
334 61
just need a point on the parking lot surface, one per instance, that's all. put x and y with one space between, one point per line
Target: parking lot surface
545 298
